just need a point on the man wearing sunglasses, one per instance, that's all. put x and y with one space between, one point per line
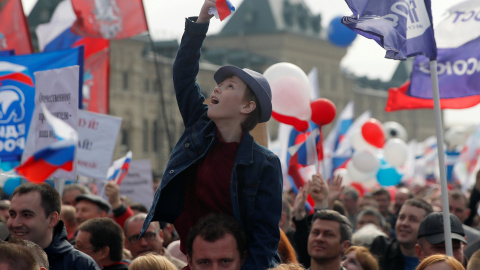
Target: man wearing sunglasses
151 241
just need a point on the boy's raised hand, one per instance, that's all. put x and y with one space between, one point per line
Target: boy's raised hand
204 17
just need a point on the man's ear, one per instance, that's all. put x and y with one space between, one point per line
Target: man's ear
53 219
345 245
248 107
418 251
105 252
160 233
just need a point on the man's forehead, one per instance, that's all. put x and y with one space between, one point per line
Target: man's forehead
410 210
326 224
32 198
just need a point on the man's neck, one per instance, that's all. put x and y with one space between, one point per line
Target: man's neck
408 250
331 264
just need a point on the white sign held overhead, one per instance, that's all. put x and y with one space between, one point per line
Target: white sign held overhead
97 136
138 184
58 90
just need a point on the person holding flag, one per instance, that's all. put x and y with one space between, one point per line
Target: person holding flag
216 166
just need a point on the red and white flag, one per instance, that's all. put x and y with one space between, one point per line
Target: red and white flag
14 33
110 19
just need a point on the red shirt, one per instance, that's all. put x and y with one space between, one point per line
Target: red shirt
209 190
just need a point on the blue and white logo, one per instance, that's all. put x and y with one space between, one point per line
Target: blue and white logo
12 104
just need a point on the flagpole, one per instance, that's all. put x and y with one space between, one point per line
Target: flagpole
441 158
317 166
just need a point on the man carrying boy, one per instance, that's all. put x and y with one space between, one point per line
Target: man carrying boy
216 166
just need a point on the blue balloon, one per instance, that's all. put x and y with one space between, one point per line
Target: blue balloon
388 175
10 185
339 34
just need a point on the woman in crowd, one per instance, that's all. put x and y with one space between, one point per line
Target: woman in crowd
359 258
440 261
151 261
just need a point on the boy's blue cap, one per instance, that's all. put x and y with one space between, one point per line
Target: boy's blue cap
256 81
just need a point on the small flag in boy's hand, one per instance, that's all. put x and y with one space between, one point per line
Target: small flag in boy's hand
223 9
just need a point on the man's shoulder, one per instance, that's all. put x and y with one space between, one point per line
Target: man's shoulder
78 260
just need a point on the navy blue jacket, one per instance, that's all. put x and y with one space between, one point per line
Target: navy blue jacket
256 181
62 255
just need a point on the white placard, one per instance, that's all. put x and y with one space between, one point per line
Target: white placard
97 134
58 90
138 184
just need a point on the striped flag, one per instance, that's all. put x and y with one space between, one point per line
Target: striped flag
59 155
119 169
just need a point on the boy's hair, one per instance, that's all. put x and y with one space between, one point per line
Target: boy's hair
50 198
254 117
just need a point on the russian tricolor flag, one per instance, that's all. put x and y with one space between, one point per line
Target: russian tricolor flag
119 169
223 9
59 155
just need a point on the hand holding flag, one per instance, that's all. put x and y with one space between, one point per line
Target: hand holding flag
58 155
119 169
223 9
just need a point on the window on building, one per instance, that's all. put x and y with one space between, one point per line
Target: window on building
147 85
155 136
125 138
145 135
125 80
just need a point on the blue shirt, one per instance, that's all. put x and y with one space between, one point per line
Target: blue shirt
411 262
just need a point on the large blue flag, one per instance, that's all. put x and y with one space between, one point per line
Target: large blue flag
458 40
17 94
402 27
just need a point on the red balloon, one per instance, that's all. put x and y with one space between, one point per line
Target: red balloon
372 132
323 111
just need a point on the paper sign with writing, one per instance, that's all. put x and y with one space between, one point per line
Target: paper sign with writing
97 134
58 90
138 184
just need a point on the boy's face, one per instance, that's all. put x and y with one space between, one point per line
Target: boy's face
227 101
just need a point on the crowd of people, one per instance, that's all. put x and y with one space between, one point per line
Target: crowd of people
221 205
346 230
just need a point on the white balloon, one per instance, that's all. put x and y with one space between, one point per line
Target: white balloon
366 161
356 174
359 143
395 151
394 130
290 90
